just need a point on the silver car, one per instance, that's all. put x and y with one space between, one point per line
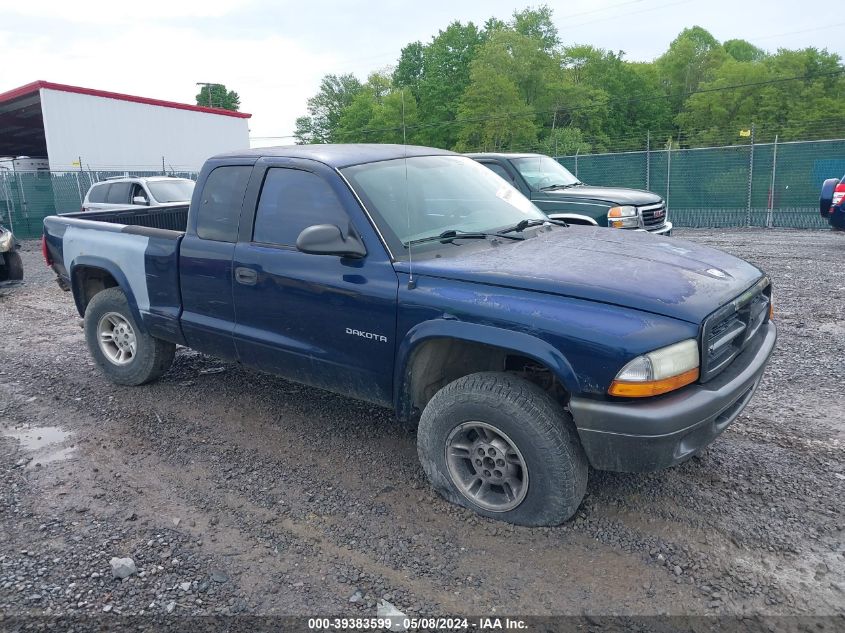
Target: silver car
148 191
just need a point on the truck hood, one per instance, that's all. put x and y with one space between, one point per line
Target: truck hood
614 195
634 269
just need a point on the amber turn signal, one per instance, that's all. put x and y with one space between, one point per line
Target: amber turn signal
644 389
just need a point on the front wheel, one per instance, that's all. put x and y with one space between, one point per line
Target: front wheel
125 354
502 447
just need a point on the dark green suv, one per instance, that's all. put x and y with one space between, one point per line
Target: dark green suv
561 195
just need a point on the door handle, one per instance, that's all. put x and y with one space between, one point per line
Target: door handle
246 276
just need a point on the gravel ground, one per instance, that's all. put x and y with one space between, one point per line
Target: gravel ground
238 492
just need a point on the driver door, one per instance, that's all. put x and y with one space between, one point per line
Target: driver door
324 320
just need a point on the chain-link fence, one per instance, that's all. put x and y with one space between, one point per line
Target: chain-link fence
27 197
763 184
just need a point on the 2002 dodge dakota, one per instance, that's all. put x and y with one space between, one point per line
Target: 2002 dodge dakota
417 279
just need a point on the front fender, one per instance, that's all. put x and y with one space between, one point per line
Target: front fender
101 263
513 341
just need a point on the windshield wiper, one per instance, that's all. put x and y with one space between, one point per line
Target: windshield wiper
520 226
451 235
553 187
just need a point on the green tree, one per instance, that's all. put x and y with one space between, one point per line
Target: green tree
776 102
494 116
217 96
692 58
325 109
409 70
445 75
537 24
743 51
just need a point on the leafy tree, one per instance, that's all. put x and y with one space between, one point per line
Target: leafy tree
217 96
445 76
743 51
692 57
325 109
409 71
494 116
512 85
537 24
792 108
565 141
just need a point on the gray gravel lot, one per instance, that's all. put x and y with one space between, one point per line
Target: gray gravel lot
238 492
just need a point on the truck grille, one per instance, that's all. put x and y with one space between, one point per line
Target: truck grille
654 215
731 328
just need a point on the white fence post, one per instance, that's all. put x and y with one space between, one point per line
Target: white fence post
770 214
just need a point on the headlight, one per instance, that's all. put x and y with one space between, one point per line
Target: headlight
660 371
5 241
623 217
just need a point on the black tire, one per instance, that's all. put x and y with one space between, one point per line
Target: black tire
13 270
152 357
541 430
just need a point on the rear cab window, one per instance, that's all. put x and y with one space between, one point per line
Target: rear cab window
220 206
291 200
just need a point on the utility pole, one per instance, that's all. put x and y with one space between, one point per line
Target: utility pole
648 160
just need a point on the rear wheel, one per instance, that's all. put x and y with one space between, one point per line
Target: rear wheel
126 354
501 446
13 270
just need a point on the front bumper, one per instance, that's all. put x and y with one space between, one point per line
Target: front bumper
666 229
663 431
663 229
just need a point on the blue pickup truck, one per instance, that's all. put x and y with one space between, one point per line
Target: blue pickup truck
417 279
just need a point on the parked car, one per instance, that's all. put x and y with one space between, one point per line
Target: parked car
416 279
832 201
147 191
559 194
11 265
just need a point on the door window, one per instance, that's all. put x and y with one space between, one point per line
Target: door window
118 193
499 171
292 200
138 191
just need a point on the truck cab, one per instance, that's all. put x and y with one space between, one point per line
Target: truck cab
560 195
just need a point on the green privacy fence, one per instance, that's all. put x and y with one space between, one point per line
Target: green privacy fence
765 184
26 198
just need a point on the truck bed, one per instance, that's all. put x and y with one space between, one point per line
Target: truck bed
136 248
172 217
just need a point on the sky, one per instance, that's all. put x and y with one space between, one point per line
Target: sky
275 53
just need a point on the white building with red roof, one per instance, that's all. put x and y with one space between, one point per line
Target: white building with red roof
75 127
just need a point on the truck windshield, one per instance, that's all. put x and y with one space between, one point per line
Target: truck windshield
424 196
176 190
542 172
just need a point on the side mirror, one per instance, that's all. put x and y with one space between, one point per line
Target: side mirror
140 200
826 197
327 239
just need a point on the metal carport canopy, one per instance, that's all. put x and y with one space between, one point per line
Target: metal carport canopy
21 122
